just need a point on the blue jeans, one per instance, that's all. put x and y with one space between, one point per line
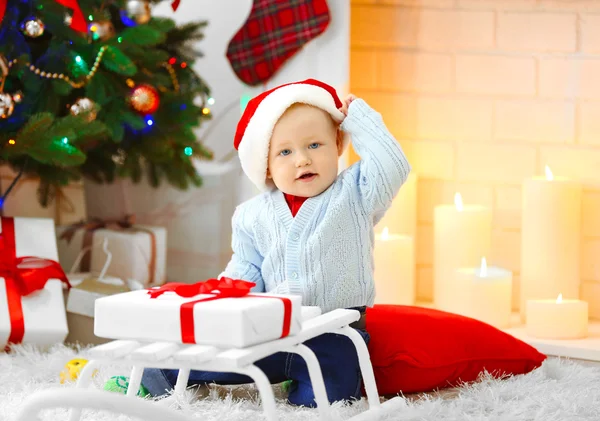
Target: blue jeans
337 358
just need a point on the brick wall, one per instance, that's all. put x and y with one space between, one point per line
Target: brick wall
482 94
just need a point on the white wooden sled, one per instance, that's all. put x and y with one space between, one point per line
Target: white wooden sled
208 358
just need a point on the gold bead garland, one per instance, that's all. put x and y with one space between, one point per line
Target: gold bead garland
76 85
173 75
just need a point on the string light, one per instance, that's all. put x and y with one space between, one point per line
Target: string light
172 60
130 83
205 111
12 142
149 121
188 151
183 65
65 140
211 101
120 40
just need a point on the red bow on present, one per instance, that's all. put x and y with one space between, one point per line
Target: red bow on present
223 288
219 288
77 22
22 276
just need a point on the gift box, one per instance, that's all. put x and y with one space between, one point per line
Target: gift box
32 309
138 251
183 316
67 207
81 298
205 211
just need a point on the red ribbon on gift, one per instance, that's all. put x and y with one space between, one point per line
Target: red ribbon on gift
219 288
77 22
22 276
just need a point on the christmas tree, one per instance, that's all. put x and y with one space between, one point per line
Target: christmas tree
99 89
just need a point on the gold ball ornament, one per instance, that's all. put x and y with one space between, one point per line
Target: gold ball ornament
7 105
144 98
103 30
139 11
73 369
84 106
33 27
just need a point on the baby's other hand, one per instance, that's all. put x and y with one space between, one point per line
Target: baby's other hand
346 103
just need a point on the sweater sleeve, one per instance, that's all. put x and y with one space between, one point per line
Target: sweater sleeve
383 167
246 261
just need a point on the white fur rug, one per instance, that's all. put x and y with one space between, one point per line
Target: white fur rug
558 391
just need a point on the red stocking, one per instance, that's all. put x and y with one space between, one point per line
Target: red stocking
274 31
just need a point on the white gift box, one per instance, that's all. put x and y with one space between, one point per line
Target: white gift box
44 310
226 322
198 219
131 250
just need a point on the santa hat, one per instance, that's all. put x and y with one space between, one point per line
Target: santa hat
255 128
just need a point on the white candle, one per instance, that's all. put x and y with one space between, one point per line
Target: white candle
557 319
394 260
462 234
550 233
401 217
483 293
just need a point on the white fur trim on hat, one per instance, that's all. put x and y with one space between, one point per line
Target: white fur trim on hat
254 147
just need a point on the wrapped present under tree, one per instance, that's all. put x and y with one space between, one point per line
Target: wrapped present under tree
32 309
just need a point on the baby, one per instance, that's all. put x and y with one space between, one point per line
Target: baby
310 232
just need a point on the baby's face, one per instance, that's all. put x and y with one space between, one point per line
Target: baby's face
303 153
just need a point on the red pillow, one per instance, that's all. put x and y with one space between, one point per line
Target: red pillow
415 349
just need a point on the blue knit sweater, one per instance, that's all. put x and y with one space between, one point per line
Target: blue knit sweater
325 253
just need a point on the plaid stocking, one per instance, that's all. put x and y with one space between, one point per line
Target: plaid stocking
274 32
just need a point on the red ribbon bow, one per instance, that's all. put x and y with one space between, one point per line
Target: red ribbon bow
175 4
219 288
22 276
223 288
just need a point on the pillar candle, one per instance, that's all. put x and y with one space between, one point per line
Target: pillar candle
401 217
462 234
394 260
483 293
557 319
551 225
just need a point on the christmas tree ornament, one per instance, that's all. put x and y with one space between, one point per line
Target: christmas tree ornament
285 27
144 99
84 106
139 11
7 105
68 20
103 30
33 27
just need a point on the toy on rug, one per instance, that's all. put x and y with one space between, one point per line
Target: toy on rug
120 384
72 369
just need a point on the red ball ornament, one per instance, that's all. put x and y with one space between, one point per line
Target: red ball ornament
144 99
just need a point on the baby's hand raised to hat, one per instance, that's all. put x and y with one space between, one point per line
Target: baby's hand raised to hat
346 103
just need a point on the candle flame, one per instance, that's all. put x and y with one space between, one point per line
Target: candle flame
385 233
559 299
483 269
458 202
549 175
